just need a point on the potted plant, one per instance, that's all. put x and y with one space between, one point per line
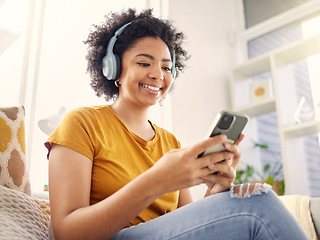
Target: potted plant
251 175
271 173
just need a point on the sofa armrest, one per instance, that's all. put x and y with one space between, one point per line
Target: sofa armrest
299 207
315 214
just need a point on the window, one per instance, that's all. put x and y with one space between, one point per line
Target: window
300 77
259 11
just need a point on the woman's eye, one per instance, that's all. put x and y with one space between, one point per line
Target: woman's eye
167 69
143 64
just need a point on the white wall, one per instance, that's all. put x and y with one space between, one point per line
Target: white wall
63 81
203 90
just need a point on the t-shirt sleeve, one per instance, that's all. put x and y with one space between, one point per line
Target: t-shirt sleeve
75 132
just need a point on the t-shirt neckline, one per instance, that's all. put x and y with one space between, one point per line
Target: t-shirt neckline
134 135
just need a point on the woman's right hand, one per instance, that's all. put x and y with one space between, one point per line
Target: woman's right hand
181 168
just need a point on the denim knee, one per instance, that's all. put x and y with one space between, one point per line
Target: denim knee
249 189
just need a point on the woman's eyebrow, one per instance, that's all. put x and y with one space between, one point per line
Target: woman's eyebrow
145 55
151 57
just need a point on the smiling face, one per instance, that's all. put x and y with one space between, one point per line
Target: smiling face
146 72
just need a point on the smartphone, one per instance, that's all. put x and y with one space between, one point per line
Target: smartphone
228 123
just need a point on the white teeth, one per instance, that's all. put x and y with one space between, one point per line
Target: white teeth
151 87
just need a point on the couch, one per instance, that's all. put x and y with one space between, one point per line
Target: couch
23 216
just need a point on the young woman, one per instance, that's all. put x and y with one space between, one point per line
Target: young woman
114 174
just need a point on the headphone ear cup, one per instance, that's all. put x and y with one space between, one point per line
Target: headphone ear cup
105 66
111 66
117 67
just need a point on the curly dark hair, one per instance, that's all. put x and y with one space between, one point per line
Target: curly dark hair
142 25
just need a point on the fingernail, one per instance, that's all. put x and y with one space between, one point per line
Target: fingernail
211 166
223 137
227 145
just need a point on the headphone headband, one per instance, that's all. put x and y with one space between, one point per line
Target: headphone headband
111 65
114 38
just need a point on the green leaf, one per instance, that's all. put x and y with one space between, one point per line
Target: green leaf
270 180
281 186
266 167
261 145
239 175
250 171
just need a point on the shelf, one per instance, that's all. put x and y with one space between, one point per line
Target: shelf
252 68
257 109
297 51
272 62
302 129
290 54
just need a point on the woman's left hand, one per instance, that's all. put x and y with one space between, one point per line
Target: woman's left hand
226 170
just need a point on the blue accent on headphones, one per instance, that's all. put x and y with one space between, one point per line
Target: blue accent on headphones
111 66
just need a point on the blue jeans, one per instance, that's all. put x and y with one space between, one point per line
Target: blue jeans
221 217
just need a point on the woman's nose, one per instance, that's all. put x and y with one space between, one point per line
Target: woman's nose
156 73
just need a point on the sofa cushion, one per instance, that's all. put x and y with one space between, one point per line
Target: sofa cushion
299 207
13 165
315 214
23 217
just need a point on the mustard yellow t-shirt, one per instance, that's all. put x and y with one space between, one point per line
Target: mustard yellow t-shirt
118 155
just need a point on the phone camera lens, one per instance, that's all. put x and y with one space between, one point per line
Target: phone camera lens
225 122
